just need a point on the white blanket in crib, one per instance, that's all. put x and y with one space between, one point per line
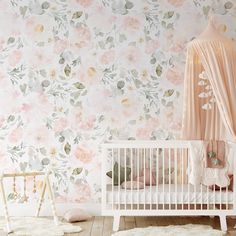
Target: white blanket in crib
199 174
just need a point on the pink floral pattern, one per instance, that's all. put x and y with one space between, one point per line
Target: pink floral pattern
76 73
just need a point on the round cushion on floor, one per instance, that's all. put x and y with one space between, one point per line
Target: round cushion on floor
76 215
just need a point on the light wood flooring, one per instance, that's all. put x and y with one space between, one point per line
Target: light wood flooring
102 226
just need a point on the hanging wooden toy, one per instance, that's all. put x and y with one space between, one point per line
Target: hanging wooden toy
34 188
14 188
25 197
46 187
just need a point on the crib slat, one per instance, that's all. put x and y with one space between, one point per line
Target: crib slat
150 164
201 197
125 165
176 171
132 174
182 181
220 198
163 177
119 178
112 179
234 178
169 171
138 174
208 200
214 196
157 178
144 160
188 184
227 198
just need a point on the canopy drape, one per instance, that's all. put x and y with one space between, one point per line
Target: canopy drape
209 111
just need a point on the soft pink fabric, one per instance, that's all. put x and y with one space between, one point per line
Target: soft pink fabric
75 215
215 56
209 111
147 177
132 185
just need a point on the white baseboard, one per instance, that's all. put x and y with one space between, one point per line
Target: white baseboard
30 209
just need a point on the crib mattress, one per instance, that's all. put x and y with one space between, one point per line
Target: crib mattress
186 194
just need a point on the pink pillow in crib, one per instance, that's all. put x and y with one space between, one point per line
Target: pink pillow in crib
132 185
147 179
75 215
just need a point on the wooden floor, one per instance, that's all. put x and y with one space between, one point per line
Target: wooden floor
102 226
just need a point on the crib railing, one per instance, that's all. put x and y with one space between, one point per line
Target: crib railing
162 167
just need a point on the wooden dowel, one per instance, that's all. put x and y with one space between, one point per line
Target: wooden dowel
5 208
41 197
52 201
23 174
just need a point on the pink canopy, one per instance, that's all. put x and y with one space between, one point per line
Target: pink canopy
210 88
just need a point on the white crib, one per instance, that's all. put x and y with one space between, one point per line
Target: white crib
167 162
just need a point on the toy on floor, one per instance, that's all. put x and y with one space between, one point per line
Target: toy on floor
46 184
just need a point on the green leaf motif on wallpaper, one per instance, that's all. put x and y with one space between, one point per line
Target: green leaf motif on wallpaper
120 84
228 5
23 88
168 92
45 83
11 196
153 60
79 85
45 5
23 166
67 70
168 14
129 5
77 15
43 73
159 70
45 161
23 10
122 38
62 60
67 148
10 40
43 151
77 171
206 10
10 118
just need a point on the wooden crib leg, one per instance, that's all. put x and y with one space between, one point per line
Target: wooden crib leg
2 191
116 222
223 223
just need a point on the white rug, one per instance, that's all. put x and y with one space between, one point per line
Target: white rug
172 230
37 226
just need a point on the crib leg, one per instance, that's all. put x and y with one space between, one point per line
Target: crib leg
116 222
223 223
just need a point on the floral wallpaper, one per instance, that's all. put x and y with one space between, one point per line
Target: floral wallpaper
75 73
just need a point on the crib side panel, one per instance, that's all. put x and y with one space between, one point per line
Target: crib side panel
154 177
